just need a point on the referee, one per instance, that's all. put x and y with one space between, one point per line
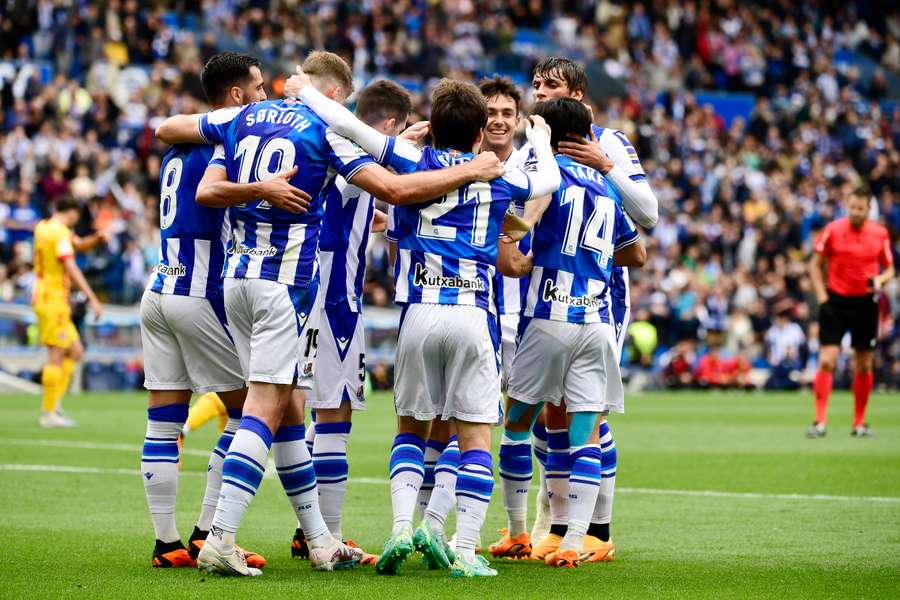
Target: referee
849 254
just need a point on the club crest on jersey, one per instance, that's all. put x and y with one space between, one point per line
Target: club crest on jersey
422 277
552 294
178 270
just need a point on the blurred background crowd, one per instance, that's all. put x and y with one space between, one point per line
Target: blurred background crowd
752 121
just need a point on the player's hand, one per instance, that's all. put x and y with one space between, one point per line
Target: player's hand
537 131
295 83
416 132
486 167
96 308
514 228
587 152
281 194
379 221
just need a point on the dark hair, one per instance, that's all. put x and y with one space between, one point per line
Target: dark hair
67 203
500 86
458 114
566 69
224 71
565 116
382 100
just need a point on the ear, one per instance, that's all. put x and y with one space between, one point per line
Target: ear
578 95
479 140
236 94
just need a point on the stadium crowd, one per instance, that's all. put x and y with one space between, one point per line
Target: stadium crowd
83 84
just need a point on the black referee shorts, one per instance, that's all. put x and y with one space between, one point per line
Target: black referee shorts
856 314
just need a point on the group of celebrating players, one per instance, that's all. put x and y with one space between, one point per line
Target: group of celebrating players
510 268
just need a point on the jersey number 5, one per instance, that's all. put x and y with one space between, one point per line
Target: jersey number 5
597 234
479 193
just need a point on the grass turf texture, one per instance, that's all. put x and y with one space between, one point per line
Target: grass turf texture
89 534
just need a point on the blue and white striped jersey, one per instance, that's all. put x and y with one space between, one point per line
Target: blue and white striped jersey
260 141
447 248
342 243
192 237
573 248
511 291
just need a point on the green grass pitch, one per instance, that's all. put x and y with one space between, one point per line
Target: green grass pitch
720 496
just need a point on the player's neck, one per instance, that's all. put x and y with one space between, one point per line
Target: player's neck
503 153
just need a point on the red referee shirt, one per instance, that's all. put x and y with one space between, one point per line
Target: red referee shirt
854 255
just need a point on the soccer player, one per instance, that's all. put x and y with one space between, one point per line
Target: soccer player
270 287
851 250
446 354
567 347
186 341
340 353
56 270
610 152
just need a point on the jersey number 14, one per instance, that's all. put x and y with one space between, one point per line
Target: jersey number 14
597 234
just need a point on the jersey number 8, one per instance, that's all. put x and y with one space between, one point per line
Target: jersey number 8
168 193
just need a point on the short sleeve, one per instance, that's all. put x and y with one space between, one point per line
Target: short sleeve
886 257
213 125
823 242
400 155
346 157
218 157
626 232
518 183
64 247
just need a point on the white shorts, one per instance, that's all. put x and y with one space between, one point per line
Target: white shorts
509 331
340 358
309 340
447 364
557 360
187 345
267 320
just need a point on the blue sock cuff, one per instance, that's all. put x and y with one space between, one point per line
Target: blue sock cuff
558 440
517 436
234 413
436 445
312 415
539 431
477 457
290 433
251 423
604 428
588 452
342 427
451 440
170 413
409 438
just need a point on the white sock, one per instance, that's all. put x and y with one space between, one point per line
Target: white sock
407 466
330 462
557 475
214 472
242 473
311 433
584 484
433 449
159 466
515 477
474 485
298 478
608 460
443 497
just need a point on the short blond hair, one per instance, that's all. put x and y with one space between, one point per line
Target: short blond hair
328 65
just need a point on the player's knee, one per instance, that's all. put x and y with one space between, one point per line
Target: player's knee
520 417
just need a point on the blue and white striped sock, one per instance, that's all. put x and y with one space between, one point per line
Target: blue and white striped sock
557 470
539 443
584 484
407 467
608 460
443 496
311 432
474 485
159 466
433 449
330 461
515 476
298 478
214 470
242 472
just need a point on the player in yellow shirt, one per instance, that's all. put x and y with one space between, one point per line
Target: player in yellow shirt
55 267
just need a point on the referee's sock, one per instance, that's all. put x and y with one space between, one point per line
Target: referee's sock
822 391
862 388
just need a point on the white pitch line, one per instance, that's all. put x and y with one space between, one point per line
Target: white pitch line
44 443
377 481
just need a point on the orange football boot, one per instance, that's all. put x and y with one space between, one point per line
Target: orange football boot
549 544
596 550
172 556
367 559
509 547
198 537
564 559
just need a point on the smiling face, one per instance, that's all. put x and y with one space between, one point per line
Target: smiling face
503 119
254 89
550 85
